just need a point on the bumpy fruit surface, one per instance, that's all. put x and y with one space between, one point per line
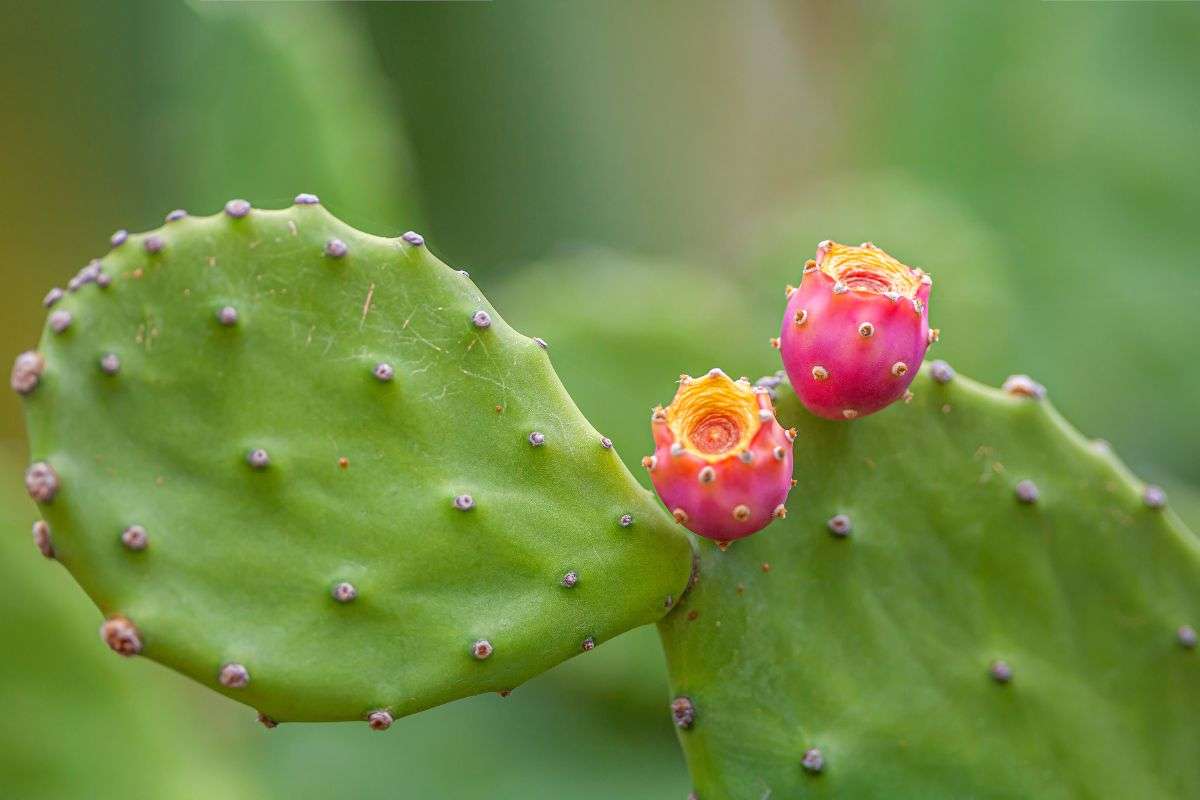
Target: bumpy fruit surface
855 332
722 463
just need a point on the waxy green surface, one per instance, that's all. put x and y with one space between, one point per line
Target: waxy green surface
876 648
362 475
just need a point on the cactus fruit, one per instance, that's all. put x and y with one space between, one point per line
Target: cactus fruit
961 643
308 537
722 463
855 332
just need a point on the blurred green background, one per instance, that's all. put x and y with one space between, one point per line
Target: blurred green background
635 183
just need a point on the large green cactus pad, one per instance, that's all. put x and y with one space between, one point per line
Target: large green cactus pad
882 655
225 394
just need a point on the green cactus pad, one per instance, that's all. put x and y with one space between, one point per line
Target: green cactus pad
1006 614
77 722
282 405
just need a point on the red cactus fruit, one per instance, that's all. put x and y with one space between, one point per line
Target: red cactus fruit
722 463
855 332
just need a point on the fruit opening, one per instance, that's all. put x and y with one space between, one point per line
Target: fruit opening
866 268
715 434
714 417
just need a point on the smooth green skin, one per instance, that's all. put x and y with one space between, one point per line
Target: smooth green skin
79 723
241 562
876 648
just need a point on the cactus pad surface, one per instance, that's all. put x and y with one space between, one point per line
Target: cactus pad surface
297 463
967 599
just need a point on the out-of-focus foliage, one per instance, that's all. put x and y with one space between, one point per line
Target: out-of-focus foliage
648 127
1071 129
263 102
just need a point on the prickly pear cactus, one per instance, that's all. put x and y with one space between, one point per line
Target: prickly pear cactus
967 599
314 470
68 709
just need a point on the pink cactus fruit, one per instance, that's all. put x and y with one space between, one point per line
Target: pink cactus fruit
722 463
855 331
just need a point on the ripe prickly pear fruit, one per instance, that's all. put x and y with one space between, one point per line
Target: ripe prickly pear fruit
722 463
855 331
